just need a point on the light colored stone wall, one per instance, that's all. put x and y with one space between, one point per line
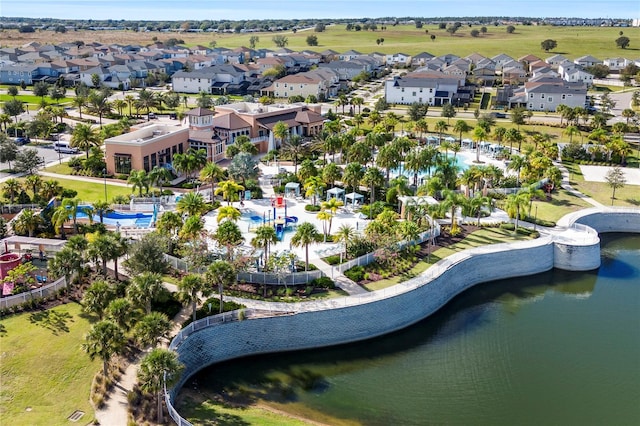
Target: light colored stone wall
358 318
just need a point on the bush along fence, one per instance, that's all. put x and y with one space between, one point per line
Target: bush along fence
370 258
263 278
42 292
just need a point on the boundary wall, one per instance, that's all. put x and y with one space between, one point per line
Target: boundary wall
576 246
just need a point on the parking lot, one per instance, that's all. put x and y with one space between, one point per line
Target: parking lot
46 152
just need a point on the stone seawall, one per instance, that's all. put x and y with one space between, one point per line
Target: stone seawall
358 318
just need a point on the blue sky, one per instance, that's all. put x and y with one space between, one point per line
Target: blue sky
287 9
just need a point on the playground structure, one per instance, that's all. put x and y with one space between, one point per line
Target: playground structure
280 222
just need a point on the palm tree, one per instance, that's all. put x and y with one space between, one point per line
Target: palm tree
514 203
12 188
228 189
119 105
228 235
169 224
280 130
221 273
441 127
160 368
265 236
228 213
409 231
352 176
66 262
517 163
150 328
531 192
453 200
325 217
159 176
475 205
388 158
192 229
190 162
85 137
345 234
99 104
479 135
104 340
129 99
313 186
211 173
121 311
73 208
191 203
34 182
144 289
293 147
191 287
97 297
27 222
571 131
461 127
373 178
50 188
139 179
331 173
146 101
513 135
332 204
79 102
305 235
102 208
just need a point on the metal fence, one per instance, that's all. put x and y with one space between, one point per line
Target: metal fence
44 291
265 278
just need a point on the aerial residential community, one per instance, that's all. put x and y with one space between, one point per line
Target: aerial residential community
295 220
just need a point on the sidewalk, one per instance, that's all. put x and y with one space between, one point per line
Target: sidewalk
567 185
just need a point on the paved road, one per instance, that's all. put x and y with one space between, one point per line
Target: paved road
50 157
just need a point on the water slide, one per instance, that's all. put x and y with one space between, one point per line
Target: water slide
279 231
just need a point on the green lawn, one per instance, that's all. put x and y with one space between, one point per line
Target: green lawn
90 191
34 100
44 373
481 237
628 196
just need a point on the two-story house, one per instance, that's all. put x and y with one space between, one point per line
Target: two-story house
428 87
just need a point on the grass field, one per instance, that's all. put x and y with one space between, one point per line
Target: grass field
45 375
91 192
34 100
572 41
481 237
628 196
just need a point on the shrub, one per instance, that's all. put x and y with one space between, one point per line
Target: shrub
508 226
334 259
355 274
323 282
312 208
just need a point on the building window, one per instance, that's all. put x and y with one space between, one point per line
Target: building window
413 94
542 96
531 95
541 106
564 96
180 148
402 90
145 163
122 163
550 100
154 161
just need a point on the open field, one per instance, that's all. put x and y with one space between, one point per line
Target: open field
628 196
45 375
35 100
91 192
572 41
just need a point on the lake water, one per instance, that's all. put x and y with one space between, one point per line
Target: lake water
555 348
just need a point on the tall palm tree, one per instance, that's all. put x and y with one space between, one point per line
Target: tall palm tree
345 234
265 236
191 203
150 328
388 158
50 188
84 137
160 368
325 217
59 217
228 234
119 104
305 235
190 162
12 188
571 131
441 127
129 99
479 135
332 204
97 297
228 213
122 312
169 224
102 208
280 131
66 262
513 135
73 208
192 229
28 222
373 178
229 189
314 186
146 101
513 204
221 274
517 163
211 173
144 289
293 147
352 176
453 200
99 103
461 127
139 179
159 176
104 340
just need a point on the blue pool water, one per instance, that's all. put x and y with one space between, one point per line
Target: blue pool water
137 219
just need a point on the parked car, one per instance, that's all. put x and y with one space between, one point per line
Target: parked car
23 140
152 116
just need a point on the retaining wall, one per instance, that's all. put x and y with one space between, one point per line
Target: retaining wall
381 312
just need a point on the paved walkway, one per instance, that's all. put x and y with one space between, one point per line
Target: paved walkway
567 185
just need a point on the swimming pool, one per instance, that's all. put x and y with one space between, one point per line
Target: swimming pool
115 218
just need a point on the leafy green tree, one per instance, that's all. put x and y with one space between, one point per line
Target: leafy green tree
221 274
312 40
243 167
147 255
623 42
104 340
448 111
229 190
548 45
280 40
158 369
13 108
28 161
41 89
228 235
615 179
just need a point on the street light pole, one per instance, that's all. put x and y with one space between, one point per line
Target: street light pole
104 175
58 149
535 219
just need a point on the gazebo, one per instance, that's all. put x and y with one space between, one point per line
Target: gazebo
336 192
292 189
414 200
354 198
